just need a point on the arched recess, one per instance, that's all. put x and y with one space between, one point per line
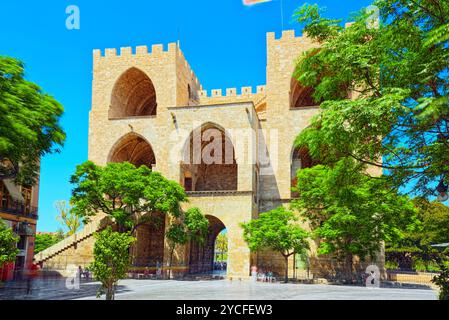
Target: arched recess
208 162
133 95
201 258
301 96
301 159
135 149
148 250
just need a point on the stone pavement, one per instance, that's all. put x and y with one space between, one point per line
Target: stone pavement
215 290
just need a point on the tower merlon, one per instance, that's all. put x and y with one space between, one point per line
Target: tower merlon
231 92
110 52
247 91
157 49
126 51
141 50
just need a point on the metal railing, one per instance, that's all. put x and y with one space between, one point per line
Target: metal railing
19 208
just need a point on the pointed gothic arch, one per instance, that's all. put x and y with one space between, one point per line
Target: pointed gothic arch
133 95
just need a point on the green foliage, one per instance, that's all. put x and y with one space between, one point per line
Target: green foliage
29 124
391 265
349 212
127 194
67 218
8 242
221 245
192 225
431 227
276 230
442 281
425 266
111 259
385 90
45 241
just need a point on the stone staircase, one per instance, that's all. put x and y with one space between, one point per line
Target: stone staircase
87 232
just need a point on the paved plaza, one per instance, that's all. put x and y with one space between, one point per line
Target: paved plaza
212 290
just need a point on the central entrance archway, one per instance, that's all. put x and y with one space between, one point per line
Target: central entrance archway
202 257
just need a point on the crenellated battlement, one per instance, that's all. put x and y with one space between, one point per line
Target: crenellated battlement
232 92
286 37
156 50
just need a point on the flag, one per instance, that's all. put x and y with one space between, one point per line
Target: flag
253 2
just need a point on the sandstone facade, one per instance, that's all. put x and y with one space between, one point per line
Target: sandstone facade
146 106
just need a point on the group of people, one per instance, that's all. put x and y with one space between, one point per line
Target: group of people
261 275
220 265
83 273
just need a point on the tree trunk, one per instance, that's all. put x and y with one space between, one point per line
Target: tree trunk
349 262
294 267
286 268
110 292
170 262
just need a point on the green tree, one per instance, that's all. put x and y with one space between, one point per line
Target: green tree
431 227
350 213
68 218
276 230
221 244
8 244
29 124
442 280
128 195
45 241
111 260
385 90
190 226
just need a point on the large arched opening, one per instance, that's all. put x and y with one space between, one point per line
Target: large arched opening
209 162
148 251
301 159
203 257
301 96
133 95
134 149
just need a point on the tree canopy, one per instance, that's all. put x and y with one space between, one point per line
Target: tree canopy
191 225
8 244
385 90
350 213
45 241
276 230
127 194
111 259
29 124
68 219
415 250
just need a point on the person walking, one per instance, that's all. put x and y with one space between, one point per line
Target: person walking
254 273
32 273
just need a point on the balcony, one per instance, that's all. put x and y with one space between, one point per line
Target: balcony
19 208
23 229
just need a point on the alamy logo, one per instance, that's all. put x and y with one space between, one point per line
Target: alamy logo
73 282
73 20
373 280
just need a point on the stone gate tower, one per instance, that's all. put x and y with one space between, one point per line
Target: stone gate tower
148 105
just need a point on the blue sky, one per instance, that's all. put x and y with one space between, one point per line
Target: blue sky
224 42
